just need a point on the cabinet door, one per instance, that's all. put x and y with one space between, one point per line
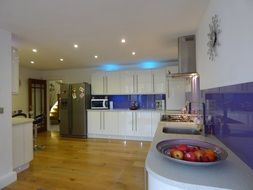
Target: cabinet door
143 124
127 82
28 142
144 83
18 146
112 81
111 122
159 81
94 122
156 116
126 123
97 83
15 71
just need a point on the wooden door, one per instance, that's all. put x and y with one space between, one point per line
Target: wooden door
37 93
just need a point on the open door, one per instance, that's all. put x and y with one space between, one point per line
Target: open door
37 93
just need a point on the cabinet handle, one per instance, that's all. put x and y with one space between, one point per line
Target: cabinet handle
133 83
135 121
153 78
137 84
132 121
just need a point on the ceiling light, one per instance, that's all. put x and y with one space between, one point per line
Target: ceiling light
123 40
32 62
75 45
61 59
95 56
133 53
34 50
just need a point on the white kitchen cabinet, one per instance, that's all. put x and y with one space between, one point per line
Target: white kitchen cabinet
110 123
102 123
112 83
155 119
15 71
97 83
126 123
143 124
143 82
22 147
159 81
127 82
105 83
94 122
135 124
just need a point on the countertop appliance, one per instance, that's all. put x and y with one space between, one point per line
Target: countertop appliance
101 103
74 102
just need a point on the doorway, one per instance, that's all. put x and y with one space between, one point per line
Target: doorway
53 108
37 103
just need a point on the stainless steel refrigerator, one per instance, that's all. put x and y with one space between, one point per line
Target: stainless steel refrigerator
74 102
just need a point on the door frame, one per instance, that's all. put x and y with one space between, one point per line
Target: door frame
42 82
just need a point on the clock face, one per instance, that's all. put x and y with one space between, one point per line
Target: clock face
213 35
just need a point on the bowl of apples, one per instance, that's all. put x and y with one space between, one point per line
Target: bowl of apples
191 152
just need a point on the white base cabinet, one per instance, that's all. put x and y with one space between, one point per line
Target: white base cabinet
133 125
22 135
102 123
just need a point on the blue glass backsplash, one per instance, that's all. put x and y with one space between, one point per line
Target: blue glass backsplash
232 109
146 101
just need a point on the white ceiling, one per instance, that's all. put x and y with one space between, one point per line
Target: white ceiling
151 28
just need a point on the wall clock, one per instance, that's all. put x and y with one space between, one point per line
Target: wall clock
213 37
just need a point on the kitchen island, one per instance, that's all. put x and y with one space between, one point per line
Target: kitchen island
164 174
22 143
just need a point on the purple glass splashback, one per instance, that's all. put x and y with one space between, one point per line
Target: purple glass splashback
232 111
144 101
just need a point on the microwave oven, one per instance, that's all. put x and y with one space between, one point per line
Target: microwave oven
99 104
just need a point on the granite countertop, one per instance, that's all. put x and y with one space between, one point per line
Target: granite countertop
233 173
21 120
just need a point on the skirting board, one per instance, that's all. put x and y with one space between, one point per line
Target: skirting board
7 179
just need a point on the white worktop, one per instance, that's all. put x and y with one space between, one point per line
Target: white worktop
21 120
118 110
230 174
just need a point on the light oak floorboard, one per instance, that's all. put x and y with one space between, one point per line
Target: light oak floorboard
92 164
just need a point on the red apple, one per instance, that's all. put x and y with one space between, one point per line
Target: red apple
182 147
190 156
178 154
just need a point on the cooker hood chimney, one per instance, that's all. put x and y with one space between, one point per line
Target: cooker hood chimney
186 56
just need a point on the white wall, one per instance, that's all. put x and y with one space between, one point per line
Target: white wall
6 174
234 62
69 75
20 100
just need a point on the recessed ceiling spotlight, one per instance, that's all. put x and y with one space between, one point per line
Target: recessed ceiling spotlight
95 56
123 40
133 53
34 50
75 45
32 62
61 60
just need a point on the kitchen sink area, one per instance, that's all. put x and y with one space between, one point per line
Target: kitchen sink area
181 131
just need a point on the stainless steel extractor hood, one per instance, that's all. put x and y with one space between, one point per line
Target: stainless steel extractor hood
186 57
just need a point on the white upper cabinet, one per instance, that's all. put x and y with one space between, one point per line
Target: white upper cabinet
127 82
97 83
143 82
159 81
105 83
112 83
15 71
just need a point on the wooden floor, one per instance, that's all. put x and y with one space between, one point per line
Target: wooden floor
75 164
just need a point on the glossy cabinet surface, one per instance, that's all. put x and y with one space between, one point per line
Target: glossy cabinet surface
159 81
97 81
143 124
94 123
22 146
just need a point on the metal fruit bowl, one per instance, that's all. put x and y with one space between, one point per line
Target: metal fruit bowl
163 147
